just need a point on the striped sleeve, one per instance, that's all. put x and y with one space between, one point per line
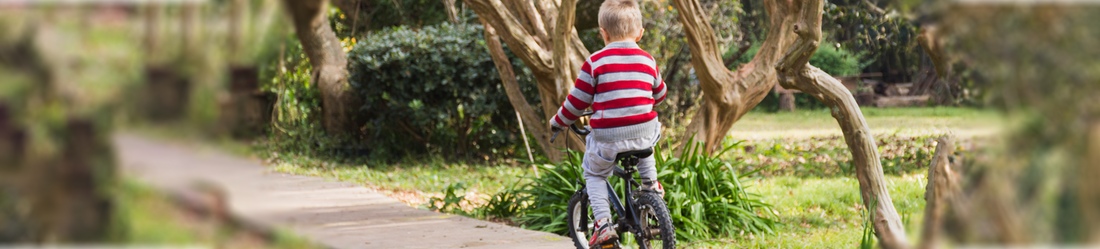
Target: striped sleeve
659 90
580 97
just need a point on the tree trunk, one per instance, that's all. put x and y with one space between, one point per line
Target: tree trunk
794 27
786 102
728 95
452 11
942 187
796 73
515 95
531 32
328 60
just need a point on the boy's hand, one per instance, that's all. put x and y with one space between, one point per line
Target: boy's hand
554 127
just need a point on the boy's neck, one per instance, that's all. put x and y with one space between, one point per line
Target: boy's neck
621 44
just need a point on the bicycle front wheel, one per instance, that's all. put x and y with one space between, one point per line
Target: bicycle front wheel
656 224
579 216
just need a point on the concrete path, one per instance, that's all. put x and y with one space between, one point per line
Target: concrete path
336 214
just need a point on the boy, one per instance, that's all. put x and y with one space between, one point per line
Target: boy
622 84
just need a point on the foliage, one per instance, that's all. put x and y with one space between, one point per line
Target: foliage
829 57
377 15
451 201
543 201
867 239
434 90
706 198
296 125
885 36
503 205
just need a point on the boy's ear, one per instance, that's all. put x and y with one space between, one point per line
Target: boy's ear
603 34
640 33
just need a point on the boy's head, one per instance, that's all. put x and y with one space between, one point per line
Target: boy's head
620 20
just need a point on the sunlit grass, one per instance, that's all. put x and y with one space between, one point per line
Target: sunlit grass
902 121
824 212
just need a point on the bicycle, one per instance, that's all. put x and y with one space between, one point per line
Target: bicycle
645 214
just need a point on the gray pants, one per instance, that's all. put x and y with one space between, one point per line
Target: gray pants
599 163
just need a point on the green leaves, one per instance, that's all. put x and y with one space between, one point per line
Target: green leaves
704 194
706 198
434 90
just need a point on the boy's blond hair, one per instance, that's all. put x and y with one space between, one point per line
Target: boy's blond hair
621 19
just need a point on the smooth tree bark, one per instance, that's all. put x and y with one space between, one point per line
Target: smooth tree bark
527 113
794 34
329 62
728 95
530 29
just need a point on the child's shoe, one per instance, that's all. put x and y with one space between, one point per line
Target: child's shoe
654 186
602 233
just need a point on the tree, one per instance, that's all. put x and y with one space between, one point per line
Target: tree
1037 185
328 60
794 33
531 29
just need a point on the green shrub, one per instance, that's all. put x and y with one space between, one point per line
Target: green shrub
543 201
434 90
705 196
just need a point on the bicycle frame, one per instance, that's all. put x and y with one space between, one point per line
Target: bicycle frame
625 210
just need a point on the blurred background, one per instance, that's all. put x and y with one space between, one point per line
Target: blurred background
417 91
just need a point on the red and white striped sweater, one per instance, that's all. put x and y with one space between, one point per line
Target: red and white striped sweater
622 84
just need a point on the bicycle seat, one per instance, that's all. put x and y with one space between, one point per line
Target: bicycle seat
634 153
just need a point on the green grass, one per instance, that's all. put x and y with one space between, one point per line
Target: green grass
429 177
809 143
903 121
824 212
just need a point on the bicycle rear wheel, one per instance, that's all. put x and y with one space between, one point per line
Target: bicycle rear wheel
579 216
656 224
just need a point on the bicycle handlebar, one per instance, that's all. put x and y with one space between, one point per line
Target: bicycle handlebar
578 130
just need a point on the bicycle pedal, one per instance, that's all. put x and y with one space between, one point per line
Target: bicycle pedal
609 246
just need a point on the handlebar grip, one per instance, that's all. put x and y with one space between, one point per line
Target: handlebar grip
580 131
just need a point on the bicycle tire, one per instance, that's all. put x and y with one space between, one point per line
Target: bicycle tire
578 206
654 209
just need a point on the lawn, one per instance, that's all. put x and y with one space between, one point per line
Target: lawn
824 212
902 121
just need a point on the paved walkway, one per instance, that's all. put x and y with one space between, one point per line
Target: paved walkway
336 214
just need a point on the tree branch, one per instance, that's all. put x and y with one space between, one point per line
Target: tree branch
512 32
942 187
861 143
530 118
